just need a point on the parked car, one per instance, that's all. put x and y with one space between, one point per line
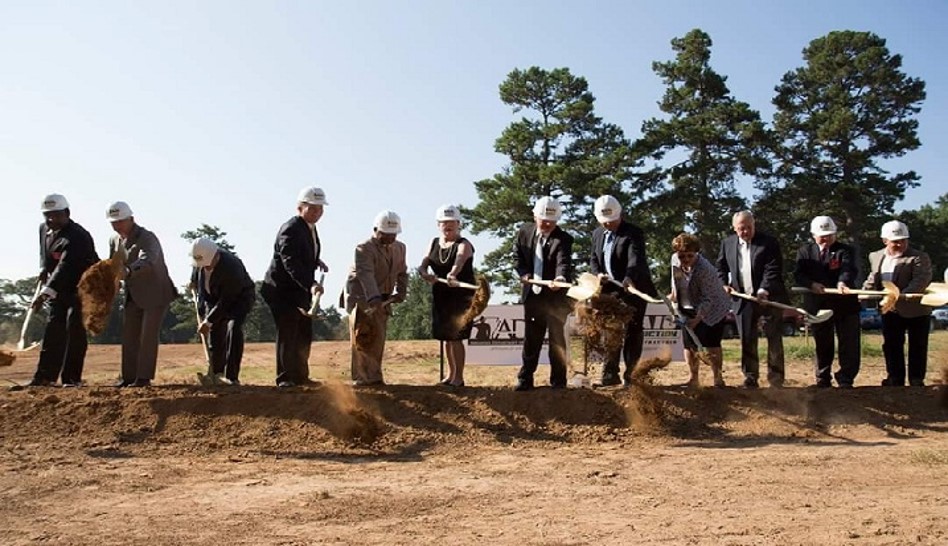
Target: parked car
940 318
870 318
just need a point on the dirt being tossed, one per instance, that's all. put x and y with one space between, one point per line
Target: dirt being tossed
97 289
7 358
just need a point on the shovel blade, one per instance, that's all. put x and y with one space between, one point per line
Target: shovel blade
935 299
822 315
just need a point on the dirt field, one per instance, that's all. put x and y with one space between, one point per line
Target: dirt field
412 463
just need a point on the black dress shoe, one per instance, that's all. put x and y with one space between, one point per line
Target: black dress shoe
558 386
523 386
286 384
750 383
40 383
823 383
888 382
138 383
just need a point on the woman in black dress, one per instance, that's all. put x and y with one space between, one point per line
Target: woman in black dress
451 257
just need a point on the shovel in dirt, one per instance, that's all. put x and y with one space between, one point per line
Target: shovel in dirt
208 379
822 315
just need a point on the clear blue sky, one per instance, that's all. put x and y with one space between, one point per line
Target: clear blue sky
219 112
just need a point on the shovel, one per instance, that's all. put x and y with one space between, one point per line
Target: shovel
683 322
550 284
838 292
822 315
209 379
21 345
586 287
315 304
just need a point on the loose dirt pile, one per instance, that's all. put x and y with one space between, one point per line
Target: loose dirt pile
97 289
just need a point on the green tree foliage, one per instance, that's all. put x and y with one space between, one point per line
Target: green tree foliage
706 141
213 233
411 319
558 148
837 118
929 229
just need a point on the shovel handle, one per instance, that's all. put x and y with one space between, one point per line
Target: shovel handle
635 291
460 284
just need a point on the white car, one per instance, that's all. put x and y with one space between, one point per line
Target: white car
940 317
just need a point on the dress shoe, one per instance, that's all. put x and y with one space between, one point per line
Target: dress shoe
845 386
889 382
607 381
523 386
557 386
823 383
71 384
916 383
141 383
121 383
750 383
287 384
40 383
234 382
309 381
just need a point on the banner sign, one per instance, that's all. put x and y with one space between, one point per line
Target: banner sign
497 336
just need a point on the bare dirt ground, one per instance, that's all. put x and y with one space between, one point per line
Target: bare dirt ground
412 463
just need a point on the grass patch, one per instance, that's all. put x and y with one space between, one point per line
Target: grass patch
930 457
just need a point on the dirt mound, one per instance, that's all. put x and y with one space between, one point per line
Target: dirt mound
331 419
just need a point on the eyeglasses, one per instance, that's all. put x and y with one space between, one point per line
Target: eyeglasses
687 255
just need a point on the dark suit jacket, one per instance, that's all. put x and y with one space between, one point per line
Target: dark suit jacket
557 257
766 266
628 260
292 270
838 266
66 257
912 274
231 293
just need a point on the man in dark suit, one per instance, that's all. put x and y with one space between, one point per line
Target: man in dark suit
618 253
750 262
149 292
911 271
827 263
66 251
289 286
226 296
544 252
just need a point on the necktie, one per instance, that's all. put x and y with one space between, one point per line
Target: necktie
607 252
822 255
538 263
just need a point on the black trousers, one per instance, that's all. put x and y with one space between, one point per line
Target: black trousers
748 327
542 315
845 324
293 340
631 350
894 329
226 346
64 343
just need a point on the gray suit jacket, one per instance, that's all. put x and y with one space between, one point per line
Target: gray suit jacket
147 280
912 274
374 275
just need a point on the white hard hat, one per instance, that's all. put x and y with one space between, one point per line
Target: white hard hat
312 196
822 225
894 230
446 213
118 210
607 209
54 202
388 222
547 208
203 251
